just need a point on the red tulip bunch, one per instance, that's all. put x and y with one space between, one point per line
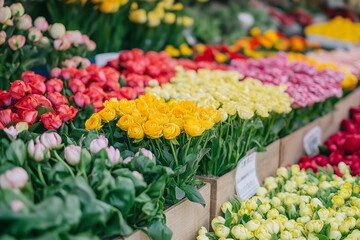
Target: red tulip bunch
31 99
153 68
343 146
94 85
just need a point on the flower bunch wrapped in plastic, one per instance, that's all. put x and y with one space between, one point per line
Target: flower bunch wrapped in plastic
294 205
26 43
252 113
177 132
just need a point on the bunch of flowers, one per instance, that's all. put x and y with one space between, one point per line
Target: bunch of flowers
342 58
26 44
175 131
31 100
338 28
119 191
294 205
343 146
151 69
251 112
304 83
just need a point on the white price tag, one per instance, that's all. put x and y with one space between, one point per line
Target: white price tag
103 58
312 141
245 176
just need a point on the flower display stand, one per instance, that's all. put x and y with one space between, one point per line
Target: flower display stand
184 218
292 146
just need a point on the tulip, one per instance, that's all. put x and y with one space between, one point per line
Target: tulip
217 220
253 225
97 144
66 112
17 205
145 153
2 37
14 178
57 30
51 140
34 34
81 100
16 42
17 9
314 226
127 160
74 37
202 237
62 44
202 231
37 151
55 72
113 154
24 22
41 24
51 121
44 41
54 85
72 154
226 206
11 132
5 14
222 231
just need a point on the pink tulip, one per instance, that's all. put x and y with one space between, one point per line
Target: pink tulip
11 132
34 34
97 144
72 154
41 24
17 9
74 37
51 140
17 205
5 14
91 45
113 154
145 153
55 72
37 151
57 30
2 37
62 44
127 160
16 42
24 22
14 178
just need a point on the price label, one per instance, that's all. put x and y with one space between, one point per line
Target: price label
245 177
103 58
312 140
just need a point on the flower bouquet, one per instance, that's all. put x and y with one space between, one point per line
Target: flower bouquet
25 44
294 205
177 132
94 191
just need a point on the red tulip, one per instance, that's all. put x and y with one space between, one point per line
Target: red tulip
95 93
348 126
321 160
28 116
43 101
66 112
30 76
51 121
28 103
54 85
6 117
81 100
128 93
335 158
5 98
351 143
76 85
57 98
19 89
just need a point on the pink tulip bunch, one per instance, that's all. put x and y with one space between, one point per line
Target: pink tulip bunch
304 83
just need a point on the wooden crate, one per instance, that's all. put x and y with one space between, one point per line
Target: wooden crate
342 108
268 162
291 146
186 218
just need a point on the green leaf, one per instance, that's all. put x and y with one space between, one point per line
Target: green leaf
43 109
123 196
179 193
159 231
193 194
16 152
321 236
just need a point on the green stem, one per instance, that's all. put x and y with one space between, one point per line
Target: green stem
65 164
176 162
41 176
111 134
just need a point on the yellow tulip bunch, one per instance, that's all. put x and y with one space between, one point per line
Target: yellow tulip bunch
339 28
223 90
155 118
294 205
105 6
350 80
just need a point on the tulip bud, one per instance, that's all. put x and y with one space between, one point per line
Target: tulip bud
34 34
51 140
5 14
16 42
113 154
97 144
11 132
202 237
44 41
72 154
14 178
222 231
21 126
55 72
57 30
253 225
37 151
17 9
226 206
202 231
127 160
217 220
282 172
17 205
261 191
240 232
24 22
145 153
62 44
314 226
41 24
2 37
